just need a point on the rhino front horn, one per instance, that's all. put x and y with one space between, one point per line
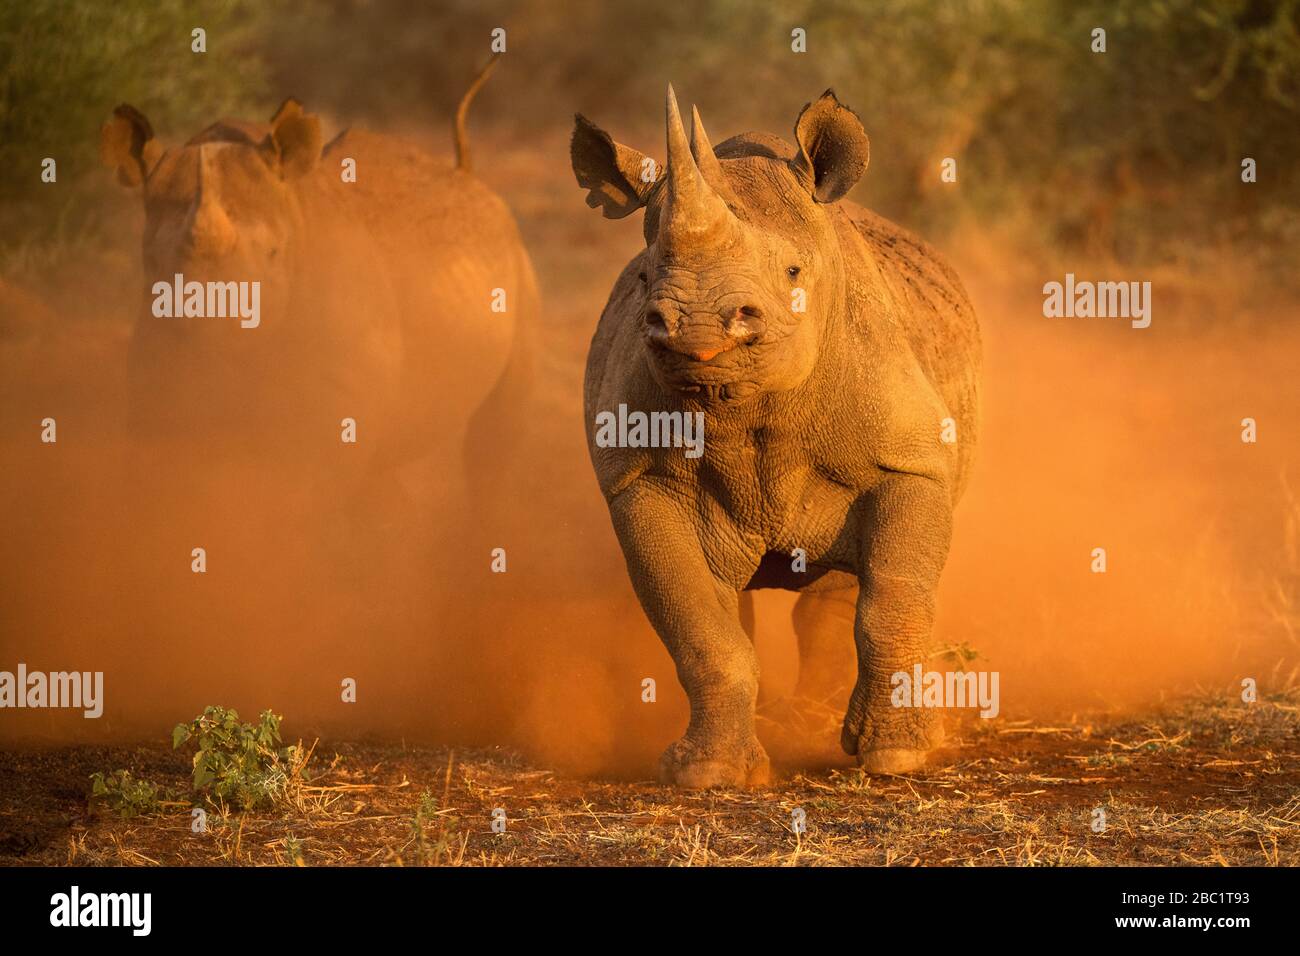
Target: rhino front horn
208 230
694 208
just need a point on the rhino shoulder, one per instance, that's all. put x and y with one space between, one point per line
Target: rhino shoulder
902 254
928 306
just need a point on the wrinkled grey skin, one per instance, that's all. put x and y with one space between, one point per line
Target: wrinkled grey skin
822 427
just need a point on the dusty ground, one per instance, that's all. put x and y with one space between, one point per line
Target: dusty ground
1201 782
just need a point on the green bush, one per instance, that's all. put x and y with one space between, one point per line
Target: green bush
240 763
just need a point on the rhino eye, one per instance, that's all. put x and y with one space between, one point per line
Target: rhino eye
792 272
642 277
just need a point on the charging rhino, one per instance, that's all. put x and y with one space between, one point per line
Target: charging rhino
391 286
835 360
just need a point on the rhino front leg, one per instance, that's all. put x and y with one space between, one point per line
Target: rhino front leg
908 526
697 618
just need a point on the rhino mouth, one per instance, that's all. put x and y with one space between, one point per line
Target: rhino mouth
708 393
716 392
711 381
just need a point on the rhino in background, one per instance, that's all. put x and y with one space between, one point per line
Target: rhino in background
823 426
375 295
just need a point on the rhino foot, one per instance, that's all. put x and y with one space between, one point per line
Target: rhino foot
687 764
897 740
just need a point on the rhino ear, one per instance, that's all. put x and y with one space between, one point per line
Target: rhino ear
296 139
833 148
618 178
126 144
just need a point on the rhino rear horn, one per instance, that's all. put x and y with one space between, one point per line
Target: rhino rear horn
706 159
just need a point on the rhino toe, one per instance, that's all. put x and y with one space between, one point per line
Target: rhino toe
896 760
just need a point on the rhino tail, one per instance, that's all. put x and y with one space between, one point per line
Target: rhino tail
462 110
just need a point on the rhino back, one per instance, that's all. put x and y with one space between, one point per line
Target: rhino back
404 196
447 242
432 222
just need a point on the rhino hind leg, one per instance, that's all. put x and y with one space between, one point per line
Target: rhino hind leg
823 625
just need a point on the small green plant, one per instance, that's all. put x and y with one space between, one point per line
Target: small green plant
429 852
960 655
124 794
241 763
293 848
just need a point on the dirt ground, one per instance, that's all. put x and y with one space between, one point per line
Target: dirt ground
1206 781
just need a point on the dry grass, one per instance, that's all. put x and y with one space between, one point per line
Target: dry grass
1207 781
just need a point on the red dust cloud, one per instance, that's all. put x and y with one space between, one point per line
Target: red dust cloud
1095 435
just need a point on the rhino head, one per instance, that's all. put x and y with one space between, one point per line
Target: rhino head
742 270
224 205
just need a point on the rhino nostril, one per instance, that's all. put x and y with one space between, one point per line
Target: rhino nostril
747 324
654 320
